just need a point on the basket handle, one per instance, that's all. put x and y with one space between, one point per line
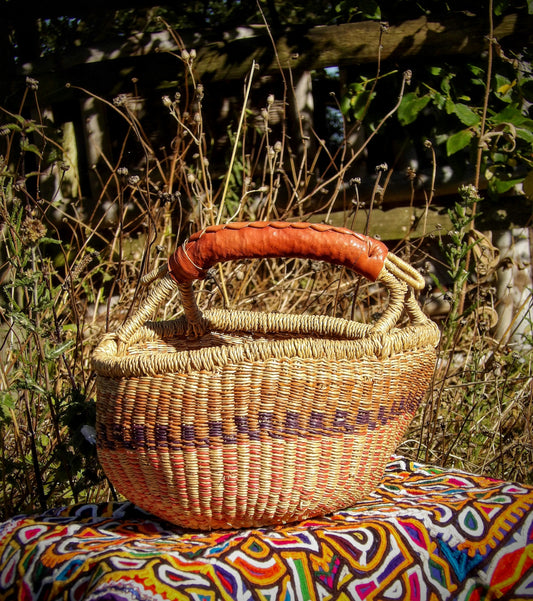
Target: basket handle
262 239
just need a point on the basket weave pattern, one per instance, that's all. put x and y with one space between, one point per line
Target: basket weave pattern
256 418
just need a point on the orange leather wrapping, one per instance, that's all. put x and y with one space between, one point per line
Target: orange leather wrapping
260 239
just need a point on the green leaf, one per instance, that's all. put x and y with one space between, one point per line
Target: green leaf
499 158
525 134
439 100
7 402
410 106
504 87
24 322
47 240
478 73
370 9
57 351
466 114
476 70
27 147
445 85
450 107
458 141
27 382
359 103
500 6
12 127
510 114
345 104
504 185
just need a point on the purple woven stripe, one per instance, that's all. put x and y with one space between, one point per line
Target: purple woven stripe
215 429
344 422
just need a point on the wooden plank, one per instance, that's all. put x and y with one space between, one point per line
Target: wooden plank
415 222
230 55
391 224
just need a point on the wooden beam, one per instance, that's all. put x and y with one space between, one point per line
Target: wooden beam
230 55
415 222
392 224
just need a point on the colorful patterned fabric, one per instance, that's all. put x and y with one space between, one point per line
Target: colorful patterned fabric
424 534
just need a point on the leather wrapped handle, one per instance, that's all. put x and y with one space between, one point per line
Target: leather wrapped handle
276 239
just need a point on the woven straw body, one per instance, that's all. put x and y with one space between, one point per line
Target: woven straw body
261 419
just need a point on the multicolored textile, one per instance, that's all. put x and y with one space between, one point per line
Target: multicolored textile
424 534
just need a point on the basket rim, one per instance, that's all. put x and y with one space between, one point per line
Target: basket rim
314 337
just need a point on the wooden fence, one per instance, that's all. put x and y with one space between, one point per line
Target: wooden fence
223 59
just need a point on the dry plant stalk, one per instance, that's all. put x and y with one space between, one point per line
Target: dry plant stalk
61 291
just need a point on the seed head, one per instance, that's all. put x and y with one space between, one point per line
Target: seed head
120 100
32 84
31 231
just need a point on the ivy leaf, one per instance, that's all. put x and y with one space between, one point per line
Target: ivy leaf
458 141
410 106
466 114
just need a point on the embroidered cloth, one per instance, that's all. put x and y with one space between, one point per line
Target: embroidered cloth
425 534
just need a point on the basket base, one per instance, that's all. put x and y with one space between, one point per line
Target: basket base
251 495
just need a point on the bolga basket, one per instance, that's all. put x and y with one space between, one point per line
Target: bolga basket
232 419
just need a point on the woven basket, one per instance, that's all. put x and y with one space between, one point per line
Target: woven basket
232 419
